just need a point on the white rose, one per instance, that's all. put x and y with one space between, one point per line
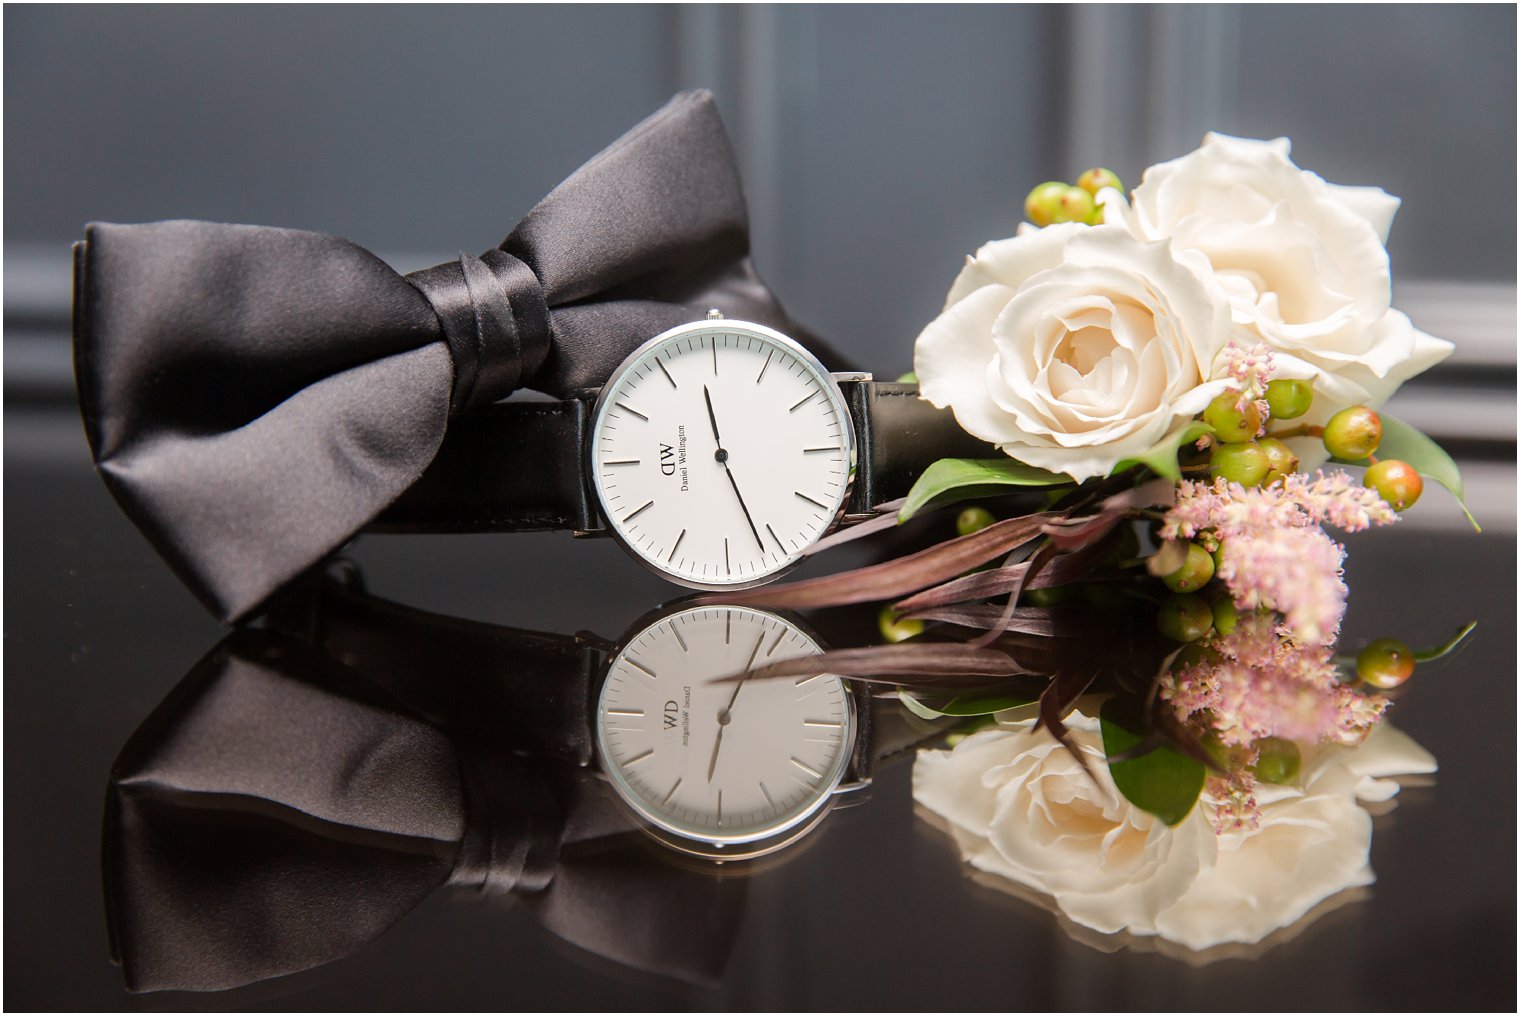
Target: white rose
1302 262
1312 843
1074 347
1020 807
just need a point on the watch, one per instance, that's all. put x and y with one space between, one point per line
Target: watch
717 453
727 770
715 771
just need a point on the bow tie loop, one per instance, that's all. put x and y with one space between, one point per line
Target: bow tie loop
495 319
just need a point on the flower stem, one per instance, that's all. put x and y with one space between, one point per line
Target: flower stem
1302 430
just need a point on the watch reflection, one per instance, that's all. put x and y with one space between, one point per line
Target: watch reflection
316 777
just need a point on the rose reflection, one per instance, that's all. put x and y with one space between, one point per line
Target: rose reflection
1022 811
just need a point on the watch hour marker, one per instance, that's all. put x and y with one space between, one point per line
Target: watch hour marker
768 798
809 500
826 448
715 357
800 765
754 653
640 758
768 529
720 809
671 792
622 462
625 712
803 401
677 544
660 364
772 650
804 680
677 633
635 412
821 723
767 364
639 666
637 511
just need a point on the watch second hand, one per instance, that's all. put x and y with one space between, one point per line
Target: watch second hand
722 456
723 714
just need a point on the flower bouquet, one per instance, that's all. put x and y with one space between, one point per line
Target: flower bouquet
1186 384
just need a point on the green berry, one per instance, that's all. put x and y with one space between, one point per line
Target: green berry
1105 596
1097 178
1045 596
1353 433
1289 398
897 629
1044 202
1126 545
1277 760
1184 617
1385 663
1226 757
1197 568
1226 617
1396 482
1229 423
1280 459
1076 205
1240 462
973 520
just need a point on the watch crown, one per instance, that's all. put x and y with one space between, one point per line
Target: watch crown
714 314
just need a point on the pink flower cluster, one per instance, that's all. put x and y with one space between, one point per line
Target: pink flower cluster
1273 552
1249 371
1259 682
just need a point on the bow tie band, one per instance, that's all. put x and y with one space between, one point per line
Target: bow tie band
254 397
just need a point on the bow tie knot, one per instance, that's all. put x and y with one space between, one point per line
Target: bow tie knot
495 320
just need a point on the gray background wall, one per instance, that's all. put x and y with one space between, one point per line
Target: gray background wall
879 144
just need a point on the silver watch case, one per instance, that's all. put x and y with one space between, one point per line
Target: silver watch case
786 342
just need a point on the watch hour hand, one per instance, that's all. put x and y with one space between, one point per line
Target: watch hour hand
712 418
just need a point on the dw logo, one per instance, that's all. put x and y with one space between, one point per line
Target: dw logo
667 460
672 710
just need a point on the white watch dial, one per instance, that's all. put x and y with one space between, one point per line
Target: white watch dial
720 451
722 763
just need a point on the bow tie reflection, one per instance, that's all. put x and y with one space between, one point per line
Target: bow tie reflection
310 782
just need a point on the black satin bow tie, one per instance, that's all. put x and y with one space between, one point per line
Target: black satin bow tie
281 809
254 396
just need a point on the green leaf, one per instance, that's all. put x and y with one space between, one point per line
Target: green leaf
962 705
909 378
1162 781
1429 655
959 479
1401 441
1161 457
916 707
981 705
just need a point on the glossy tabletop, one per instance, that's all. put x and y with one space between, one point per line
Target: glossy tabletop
876 912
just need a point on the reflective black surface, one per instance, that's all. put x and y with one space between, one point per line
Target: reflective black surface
877 912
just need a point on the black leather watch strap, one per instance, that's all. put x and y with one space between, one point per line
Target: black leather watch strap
521 465
897 436
513 466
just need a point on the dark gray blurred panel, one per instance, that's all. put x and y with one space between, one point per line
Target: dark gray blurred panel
1417 99
403 128
926 127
